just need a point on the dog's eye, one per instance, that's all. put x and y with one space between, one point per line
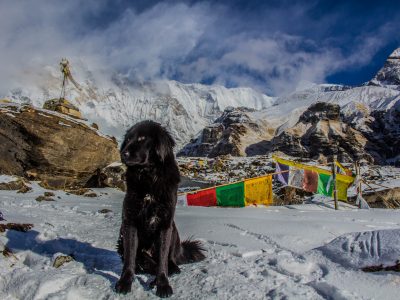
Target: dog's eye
141 138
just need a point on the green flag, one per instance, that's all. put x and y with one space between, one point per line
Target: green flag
231 195
325 184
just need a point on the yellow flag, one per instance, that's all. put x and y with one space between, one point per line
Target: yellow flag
258 190
341 187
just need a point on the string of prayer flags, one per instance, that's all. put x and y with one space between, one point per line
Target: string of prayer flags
313 179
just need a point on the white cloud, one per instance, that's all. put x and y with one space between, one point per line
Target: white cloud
193 43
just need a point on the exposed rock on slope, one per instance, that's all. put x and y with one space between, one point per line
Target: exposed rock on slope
232 133
51 147
320 131
383 132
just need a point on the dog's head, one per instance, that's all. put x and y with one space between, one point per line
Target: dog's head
145 144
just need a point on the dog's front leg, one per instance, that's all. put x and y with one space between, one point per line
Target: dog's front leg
130 242
163 288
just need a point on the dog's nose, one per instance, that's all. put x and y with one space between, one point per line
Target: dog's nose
125 155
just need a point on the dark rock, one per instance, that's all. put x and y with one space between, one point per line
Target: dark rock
43 198
388 198
112 176
225 135
13 185
24 189
15 226
321 111
78 192
321 132
90 195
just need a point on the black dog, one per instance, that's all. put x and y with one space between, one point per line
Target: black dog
149 241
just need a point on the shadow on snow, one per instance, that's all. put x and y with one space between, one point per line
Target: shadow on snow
95 260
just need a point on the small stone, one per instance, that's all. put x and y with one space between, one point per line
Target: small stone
44 198
105 210
61 260
90 195
79 192
24 189
49 194
16 227
7 252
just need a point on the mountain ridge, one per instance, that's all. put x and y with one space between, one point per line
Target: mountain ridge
115 102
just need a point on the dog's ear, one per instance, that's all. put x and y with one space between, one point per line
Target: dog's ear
124 143
127 137
165 144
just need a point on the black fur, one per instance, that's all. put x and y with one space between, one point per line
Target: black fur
149 241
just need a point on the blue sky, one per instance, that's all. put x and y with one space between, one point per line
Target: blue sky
272 46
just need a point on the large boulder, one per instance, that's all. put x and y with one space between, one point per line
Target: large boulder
48 146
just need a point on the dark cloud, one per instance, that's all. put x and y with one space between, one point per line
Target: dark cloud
267 45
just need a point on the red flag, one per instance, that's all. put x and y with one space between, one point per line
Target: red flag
310 181
202 198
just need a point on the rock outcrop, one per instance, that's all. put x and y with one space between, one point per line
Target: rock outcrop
63 106
53 148
232 133
321 131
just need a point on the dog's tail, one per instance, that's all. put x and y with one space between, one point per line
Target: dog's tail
191 251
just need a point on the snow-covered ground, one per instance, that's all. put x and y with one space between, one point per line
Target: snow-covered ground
295 252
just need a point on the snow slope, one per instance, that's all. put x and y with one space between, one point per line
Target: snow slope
253 253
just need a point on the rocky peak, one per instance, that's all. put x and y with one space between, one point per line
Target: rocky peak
233 115
321 133
320 111
389 74
226 135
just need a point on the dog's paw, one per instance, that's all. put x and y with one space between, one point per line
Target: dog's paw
164 291
123 286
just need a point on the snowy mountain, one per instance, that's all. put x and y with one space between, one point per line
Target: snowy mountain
372 112
115 103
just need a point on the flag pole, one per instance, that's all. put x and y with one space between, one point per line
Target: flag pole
334 181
